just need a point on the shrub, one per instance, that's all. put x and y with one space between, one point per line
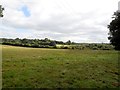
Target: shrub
95 48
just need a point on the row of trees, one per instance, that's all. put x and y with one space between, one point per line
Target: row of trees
29 42
44 43
47 43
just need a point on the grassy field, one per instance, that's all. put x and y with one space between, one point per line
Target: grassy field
59 68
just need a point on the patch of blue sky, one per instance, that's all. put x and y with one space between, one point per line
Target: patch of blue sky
26 11
21 30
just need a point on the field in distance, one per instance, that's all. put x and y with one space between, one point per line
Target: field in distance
58 68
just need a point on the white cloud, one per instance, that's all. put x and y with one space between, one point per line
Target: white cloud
77 20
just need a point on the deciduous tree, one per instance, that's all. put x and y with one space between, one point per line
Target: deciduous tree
114 30
1 11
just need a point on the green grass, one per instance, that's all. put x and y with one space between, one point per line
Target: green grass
58 68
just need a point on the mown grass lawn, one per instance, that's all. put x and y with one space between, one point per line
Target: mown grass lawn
58 68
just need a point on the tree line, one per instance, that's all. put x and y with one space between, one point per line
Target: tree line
43 43
47 43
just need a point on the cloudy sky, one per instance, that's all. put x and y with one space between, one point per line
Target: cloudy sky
76 20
